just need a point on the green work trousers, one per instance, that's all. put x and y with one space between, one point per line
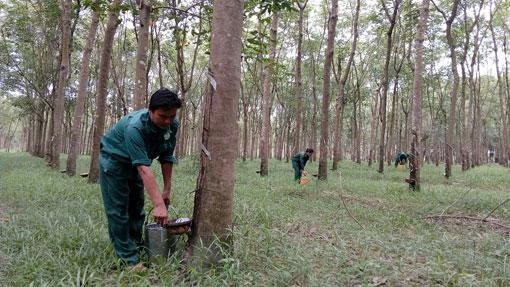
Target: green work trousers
123 198
297 171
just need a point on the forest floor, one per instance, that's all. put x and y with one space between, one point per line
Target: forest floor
358 228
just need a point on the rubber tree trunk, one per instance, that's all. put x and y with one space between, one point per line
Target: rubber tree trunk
453 92
416 121
339 105
299 84
212 214
266 99
82 95
140 95
58 115
323 158
503 155
102 85
385 82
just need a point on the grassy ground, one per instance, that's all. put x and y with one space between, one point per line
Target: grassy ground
53 232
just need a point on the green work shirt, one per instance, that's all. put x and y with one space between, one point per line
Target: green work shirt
300 159
136 140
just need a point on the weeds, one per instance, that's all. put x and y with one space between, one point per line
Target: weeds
53 229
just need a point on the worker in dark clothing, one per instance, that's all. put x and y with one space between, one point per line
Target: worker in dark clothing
299 161
401 158
126 153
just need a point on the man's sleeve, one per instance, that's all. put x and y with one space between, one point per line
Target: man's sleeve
135 146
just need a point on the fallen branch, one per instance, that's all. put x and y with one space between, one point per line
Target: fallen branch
345 206
348 212
490 213
461 196
468 218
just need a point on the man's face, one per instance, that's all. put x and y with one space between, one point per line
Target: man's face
162 118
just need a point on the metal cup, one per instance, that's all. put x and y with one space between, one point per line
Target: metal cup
160 244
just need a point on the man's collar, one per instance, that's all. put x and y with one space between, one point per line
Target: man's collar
152 127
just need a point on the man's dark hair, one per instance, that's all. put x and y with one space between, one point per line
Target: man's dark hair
164 98
309 150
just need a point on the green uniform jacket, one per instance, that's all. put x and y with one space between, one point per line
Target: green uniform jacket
298 164
300 160
135 140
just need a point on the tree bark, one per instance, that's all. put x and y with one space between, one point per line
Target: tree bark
323 159
503 155
58 115
374 126
82 94
385 83
415 157
102 85
140 99
453 93
340 99
266 99
299 84
212 215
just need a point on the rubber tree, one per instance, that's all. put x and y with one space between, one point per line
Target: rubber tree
392 18
416 120
323 158
340 99
81 97
102 85
266 97
299 84
212 214
455 86
140 96
58 112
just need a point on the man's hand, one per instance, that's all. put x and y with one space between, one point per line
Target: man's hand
160 214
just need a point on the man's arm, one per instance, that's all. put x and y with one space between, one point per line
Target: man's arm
166 170
149 181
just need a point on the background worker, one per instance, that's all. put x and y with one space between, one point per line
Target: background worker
299 161
401 158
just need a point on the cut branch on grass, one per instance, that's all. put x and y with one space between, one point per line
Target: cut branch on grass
349 213
492 211
507 227
345 205
453 203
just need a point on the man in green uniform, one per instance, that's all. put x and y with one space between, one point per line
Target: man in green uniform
126 154
401 158
299 161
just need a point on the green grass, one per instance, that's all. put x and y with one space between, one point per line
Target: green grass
53 229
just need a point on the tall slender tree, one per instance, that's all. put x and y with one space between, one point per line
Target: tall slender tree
416 121
504 155
340 99
299 84
140 96
323 158
58 111
212 214
385 80
266 98
102 85
455 86
82 94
